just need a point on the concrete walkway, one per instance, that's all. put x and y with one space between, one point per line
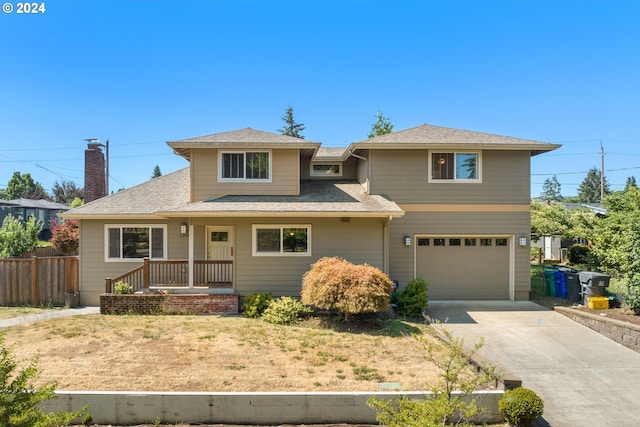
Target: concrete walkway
49 314
585 379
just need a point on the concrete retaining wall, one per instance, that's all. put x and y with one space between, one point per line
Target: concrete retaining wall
122 408
623 333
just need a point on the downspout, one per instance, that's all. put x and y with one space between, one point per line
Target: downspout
191 256
385 244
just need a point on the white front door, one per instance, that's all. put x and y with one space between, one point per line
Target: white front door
220 247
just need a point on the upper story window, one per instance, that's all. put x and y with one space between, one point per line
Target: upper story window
245 166
326 169
455 166
134 242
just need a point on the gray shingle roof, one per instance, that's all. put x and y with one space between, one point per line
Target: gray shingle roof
143 200
168 195
442 137
317 198
242 138
37 204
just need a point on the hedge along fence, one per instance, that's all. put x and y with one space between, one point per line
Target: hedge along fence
38 281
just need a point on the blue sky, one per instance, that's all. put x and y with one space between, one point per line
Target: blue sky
141 73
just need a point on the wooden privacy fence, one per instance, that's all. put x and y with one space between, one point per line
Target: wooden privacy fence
38 281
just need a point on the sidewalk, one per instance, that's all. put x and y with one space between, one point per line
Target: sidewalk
49 314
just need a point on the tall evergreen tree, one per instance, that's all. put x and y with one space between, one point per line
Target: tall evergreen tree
589 190
291 128
631 183
156 172
551 190
382 126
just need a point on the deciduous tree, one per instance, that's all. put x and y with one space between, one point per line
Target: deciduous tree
23 185
66 191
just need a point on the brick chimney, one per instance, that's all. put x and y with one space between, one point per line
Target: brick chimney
94 173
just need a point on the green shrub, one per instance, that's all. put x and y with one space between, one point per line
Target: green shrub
521 406
255 304
123 288
284 311
413 298
336 284
16 237
632 298
579 254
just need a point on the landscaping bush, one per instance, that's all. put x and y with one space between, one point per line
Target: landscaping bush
521 406
284 311
579 254
413 298
123 288
65 236
336 284
255 304
17 238
633 298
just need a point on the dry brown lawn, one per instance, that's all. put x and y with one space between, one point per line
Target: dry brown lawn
217 353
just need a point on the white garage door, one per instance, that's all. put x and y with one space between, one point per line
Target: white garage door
464 268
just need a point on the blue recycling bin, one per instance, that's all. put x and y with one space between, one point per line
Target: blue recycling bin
561 284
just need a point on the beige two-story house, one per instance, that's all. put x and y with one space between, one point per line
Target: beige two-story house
253 211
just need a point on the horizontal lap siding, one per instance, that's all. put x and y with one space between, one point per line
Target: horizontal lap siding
403 177
204 175
94 269
358 241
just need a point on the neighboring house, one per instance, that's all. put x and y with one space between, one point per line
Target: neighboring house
42 210
555 248
253 211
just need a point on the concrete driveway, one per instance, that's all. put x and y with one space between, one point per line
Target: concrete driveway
584 378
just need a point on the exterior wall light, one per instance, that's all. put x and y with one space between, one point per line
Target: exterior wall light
183 229
407 240
522 241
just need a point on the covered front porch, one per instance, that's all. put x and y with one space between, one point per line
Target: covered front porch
186 276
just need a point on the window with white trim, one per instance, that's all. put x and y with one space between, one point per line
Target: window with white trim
455 166
134 242
286 240
245 166
326 169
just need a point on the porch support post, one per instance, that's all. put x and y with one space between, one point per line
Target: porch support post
191 256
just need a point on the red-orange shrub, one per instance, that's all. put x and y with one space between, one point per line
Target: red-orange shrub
65 237
336 284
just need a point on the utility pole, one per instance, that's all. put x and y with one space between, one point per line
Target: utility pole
601 172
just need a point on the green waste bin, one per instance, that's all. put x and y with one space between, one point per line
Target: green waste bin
549 283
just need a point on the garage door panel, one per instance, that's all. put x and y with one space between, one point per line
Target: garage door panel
464 272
